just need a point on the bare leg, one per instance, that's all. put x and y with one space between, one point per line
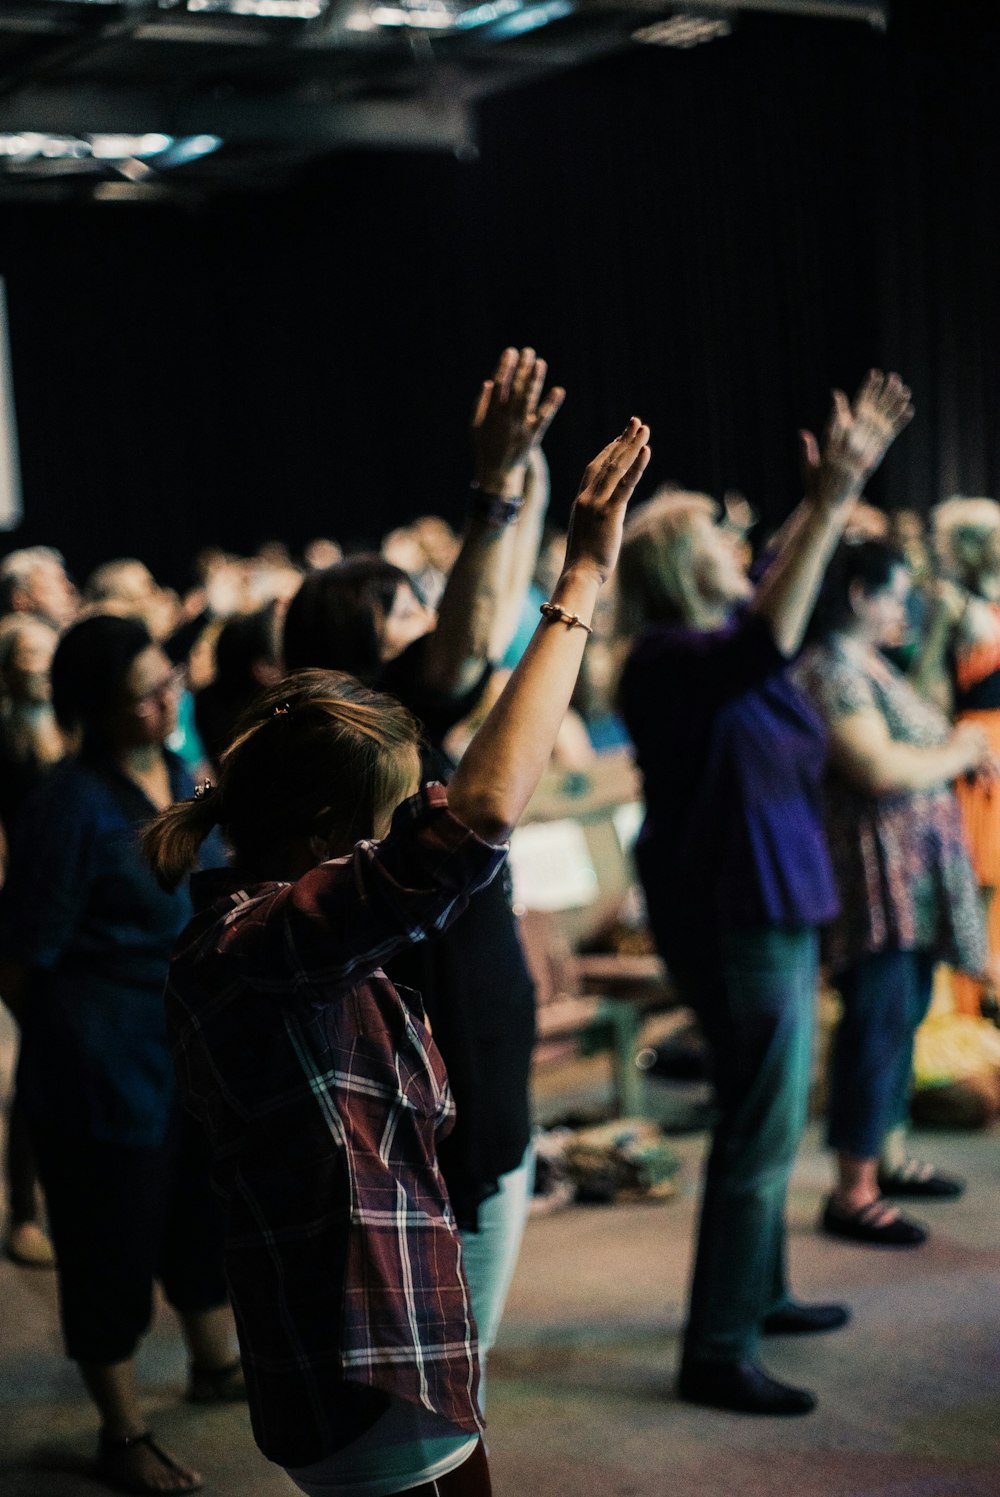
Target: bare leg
209 1337
857 1187
216 1375
113 1388
26 1241
894 1154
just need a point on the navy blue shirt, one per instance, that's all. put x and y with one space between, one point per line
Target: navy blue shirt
82 911
732 757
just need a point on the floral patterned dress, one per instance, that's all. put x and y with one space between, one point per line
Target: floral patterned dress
900 860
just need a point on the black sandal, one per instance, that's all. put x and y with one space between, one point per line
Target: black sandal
108 1467
915 1179
867 1225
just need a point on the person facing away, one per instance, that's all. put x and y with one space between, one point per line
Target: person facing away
734 867
318 1081
365 617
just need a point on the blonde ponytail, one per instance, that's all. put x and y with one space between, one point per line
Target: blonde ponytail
171 840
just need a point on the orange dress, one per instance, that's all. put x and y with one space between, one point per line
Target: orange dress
977 700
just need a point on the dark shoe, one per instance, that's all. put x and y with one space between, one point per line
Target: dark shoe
868 1225
216 1384
742 1387
917 1179
794 1319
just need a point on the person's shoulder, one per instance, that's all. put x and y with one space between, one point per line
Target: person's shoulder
659 641
682 642
840 685
69 785
68 808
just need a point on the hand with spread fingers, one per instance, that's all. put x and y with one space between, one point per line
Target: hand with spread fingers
511 417
595 525
857 437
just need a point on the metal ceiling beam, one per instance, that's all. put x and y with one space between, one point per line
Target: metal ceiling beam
426 122
874 12
48 57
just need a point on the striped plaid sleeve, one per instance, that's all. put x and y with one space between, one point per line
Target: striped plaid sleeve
344 918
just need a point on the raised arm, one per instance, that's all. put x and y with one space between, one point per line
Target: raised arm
510 418
948 607
857 437
505 760
521 544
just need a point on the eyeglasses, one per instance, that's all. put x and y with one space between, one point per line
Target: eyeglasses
171 685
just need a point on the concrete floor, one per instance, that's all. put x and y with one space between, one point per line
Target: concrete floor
581 1401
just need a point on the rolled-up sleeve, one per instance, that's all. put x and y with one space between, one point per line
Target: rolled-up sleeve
325 932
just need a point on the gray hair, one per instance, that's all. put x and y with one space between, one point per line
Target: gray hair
655 578
966 532
18 567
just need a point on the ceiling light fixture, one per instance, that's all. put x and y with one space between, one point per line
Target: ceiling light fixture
437 15
683 31
22 147
273 10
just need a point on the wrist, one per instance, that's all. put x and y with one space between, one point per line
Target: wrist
494 510
506 482
830 519
836 501
579 583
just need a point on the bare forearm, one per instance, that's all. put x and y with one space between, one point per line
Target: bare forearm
855 441
509 420
901 768
928 672
789 529
787 594
461 644
521 545
505 760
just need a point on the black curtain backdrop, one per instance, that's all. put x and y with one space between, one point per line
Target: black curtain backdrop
709 239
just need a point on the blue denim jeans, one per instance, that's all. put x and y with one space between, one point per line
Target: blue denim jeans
885 996
755 998
490 1255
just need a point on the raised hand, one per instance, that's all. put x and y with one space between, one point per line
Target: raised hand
857 437
504 762
511 417
595 523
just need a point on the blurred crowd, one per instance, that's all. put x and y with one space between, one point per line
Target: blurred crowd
816 716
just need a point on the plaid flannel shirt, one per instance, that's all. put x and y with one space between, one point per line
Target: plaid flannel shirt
322 1092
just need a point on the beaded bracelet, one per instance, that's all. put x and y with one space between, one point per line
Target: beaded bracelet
493 509
559 615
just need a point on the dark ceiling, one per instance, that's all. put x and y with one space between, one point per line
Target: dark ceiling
191 98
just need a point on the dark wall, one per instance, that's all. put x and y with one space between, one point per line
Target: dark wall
709 239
